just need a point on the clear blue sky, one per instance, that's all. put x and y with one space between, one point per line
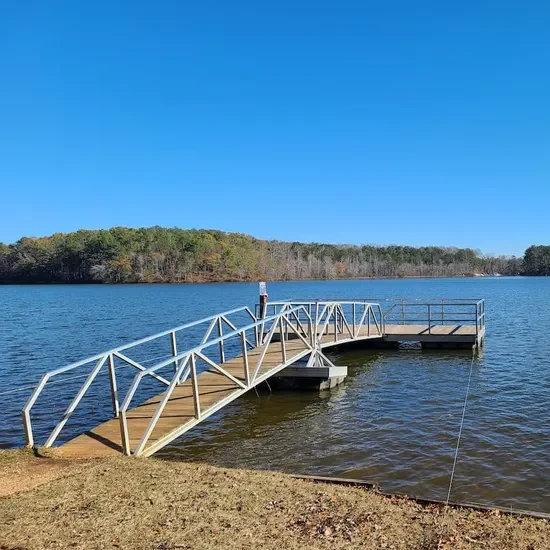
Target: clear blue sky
348 122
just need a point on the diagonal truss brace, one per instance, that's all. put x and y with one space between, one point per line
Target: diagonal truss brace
319 359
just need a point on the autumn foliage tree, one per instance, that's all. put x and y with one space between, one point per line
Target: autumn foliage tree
158 254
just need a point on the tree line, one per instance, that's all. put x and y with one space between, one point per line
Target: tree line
536 261
157 254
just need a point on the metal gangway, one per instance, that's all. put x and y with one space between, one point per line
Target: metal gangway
237 350
199 381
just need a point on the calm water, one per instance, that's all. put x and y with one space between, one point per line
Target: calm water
394 422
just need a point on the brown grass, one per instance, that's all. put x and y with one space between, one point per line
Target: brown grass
150 504
25 469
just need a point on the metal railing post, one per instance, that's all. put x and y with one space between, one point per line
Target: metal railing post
123 420
287 318
353 313
245 359
369 311
316 317
281 329
125 438
195 387
114 389
29 437
429 319
220 331
174 347
27 409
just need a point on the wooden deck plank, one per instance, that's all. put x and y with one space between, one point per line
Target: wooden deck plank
447 330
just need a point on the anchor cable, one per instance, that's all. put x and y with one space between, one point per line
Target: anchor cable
456 450
460 430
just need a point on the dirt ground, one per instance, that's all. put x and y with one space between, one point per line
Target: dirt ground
149 504
21 470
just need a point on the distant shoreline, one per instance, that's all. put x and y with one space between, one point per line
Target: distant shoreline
173 255
206 282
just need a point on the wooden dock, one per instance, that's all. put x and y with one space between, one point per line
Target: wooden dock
196 385
179 413
450 336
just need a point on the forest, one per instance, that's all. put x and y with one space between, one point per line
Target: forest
536 261
160 255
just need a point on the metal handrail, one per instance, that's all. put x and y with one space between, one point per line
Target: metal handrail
287 319
438 310
315 322
366 310
430 300
438 313
187 362
298 319
108 357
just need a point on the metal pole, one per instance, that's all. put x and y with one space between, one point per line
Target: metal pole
368 319
125 438
245 358
283 348
310 328
334 312
174 346
286 325
114 390
220 331
195 386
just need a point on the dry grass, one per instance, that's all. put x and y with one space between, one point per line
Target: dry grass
25 469
14 455
150 504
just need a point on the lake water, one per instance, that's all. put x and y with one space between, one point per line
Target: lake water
394 422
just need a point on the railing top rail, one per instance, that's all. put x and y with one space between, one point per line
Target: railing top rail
144 340
306 302
376 300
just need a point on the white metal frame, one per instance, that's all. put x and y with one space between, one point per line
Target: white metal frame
99 360
316 325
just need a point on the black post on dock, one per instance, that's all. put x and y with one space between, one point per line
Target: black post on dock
263 300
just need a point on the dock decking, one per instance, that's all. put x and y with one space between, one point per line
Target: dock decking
179 413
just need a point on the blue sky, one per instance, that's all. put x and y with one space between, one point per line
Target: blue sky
348 122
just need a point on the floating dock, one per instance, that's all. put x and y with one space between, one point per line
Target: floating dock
202 379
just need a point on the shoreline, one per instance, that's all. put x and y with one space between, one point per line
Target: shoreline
252 281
